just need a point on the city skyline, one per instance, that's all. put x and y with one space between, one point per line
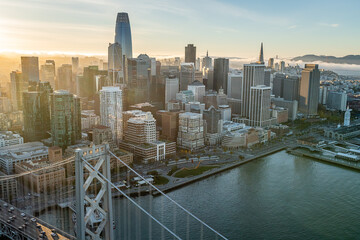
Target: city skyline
163 28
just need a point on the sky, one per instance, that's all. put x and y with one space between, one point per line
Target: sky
227 28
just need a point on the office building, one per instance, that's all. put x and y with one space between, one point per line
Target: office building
195 107
141 138
259 109
169 124
309 89
212 126
123 34
41 180
253 75
89 119
115 64
234 84
36 113
190 54
8 138
65 118
111 110
191 131
47 73
213 119
291 88
267 77
65 78
278 84
291 106
18 86
187 75
13 154
198 90
221 70
336 100
207 62
282 66
271 63
171 88
30 69
225 111
261 55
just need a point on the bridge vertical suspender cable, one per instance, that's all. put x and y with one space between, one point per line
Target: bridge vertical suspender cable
131 200
162 193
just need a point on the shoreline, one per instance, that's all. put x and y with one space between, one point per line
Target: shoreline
215 171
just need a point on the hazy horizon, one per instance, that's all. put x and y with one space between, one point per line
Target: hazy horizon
163 28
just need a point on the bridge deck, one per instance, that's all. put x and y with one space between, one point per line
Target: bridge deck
27 226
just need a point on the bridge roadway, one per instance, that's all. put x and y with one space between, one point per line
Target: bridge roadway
15 224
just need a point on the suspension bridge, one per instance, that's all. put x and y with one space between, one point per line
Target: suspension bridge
88 209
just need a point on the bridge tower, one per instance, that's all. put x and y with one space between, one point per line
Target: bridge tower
95 205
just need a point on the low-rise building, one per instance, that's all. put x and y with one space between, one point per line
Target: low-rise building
41 181
8 138
11 155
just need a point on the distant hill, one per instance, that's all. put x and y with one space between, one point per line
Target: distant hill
349 59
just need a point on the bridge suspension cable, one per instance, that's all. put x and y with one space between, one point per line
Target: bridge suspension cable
131 200
165 195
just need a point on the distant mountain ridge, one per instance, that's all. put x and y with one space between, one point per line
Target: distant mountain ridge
349 59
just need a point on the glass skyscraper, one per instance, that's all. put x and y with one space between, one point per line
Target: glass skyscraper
123 34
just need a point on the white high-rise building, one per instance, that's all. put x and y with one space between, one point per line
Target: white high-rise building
259 112
111 110
171 88
347 117
253 75
198 90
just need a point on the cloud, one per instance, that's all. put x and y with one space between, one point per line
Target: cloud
334 25
292 27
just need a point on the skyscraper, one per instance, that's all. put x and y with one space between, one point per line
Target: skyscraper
123 34
207 61
36 112
291 88
65 77
75 70
261 55
187 75
309 89
267 77
115 63
171 88
111 110
47 72
271 63
18 86
30 69
65 118
259 107
221 70
253 75
234 84
198 90
190 54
